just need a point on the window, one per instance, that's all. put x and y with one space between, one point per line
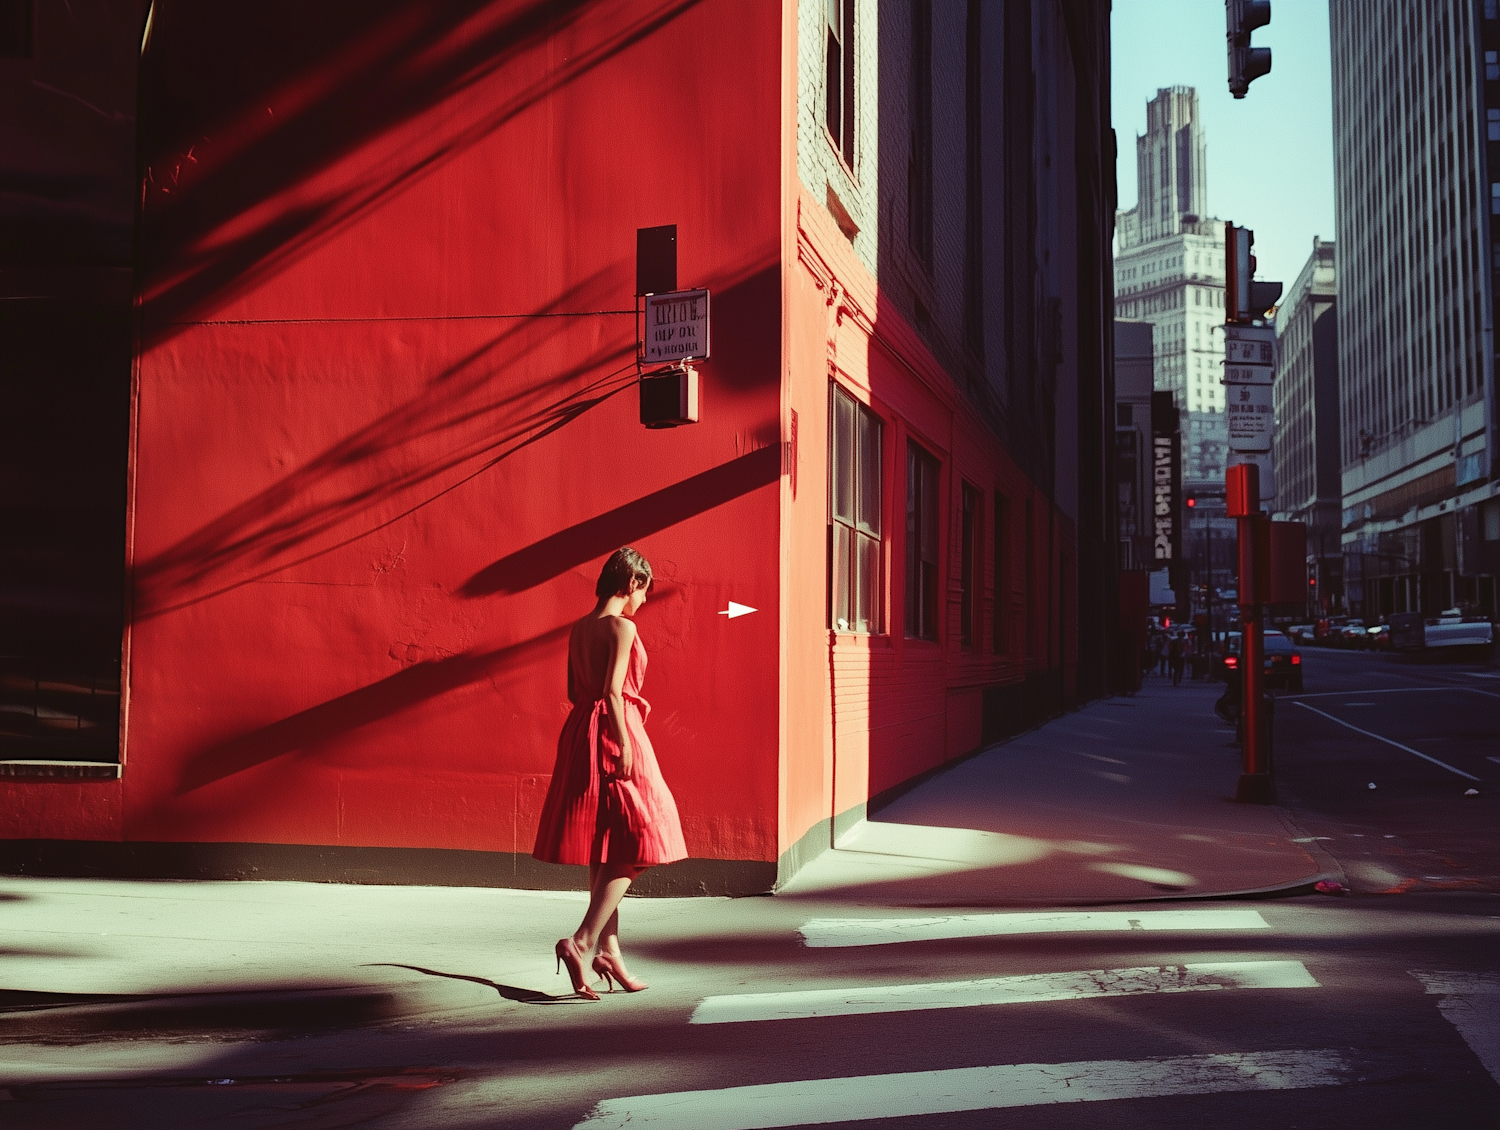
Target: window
999 636
840 76
1492 65
854 515
921 544
15 29
919 160
968 569
1494 124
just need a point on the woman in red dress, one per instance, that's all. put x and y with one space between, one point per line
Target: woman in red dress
607 805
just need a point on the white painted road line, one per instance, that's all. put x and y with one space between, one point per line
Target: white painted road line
1471 1003
1388 741
1027 989
885 931
908 1094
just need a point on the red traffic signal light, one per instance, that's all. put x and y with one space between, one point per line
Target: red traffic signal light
1312 580
1190 502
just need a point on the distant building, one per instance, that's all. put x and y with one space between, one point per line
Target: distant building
1169 271
1306 393
1416 122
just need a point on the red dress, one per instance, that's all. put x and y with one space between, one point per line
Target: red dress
589 815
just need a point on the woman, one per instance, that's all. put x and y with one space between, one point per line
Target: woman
607 805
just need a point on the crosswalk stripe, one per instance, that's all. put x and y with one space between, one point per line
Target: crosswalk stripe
1471 1003
907 1094
885 931
1030 988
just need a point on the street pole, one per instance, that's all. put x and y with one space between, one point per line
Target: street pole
1243 498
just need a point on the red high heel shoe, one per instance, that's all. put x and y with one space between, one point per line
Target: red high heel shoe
612 969
567 954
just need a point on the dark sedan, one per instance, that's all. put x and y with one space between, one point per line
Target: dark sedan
1283 661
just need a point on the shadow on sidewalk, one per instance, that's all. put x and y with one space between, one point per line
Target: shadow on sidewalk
1124 800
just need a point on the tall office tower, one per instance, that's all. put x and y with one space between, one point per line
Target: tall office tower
1169 271
1307 458
1416 135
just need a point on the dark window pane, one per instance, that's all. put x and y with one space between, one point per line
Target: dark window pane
841 570
843 457
869 472
867 570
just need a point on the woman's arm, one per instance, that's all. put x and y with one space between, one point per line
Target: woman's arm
621 641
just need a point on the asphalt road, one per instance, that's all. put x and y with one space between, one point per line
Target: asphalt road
1424 734
1311 1012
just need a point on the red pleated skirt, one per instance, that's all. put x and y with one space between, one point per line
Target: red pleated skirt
590 816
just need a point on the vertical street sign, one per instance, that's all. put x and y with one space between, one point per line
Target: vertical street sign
1166 492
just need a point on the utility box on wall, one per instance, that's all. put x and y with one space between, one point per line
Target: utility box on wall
670 398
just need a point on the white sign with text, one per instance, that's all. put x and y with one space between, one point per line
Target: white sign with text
1251 416
676 327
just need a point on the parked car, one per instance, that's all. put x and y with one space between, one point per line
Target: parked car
1283 662
1378 636
1352 634
1300 633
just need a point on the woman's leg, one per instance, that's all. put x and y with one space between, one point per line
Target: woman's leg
609 882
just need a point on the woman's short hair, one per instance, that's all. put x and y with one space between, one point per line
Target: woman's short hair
621 571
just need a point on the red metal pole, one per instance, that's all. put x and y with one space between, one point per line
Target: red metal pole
1242 489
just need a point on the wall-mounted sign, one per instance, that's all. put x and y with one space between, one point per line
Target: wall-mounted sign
1249 345
676 327
1248 374
1251 416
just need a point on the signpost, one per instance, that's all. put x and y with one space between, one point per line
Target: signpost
1249 370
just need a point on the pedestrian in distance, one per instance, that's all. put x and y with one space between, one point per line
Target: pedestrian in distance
1175 657
607 805
1163 653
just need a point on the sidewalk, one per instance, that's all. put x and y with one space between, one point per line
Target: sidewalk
1129 798
1125 800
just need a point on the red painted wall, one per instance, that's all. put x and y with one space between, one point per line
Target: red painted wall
373 475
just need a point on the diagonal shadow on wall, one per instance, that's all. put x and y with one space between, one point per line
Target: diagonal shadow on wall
231 190
569 548
309 729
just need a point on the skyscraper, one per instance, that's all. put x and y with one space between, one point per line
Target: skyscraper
1307 421
1169 271
1416 134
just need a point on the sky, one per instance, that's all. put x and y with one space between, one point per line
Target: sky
1270 154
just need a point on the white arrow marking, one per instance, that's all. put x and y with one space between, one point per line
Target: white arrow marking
736 609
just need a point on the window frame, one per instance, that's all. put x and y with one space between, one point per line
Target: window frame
969 566
923 542
839 77
856 526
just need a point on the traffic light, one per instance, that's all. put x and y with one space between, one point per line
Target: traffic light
1245 300
1312 579
1246 63
1190 502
